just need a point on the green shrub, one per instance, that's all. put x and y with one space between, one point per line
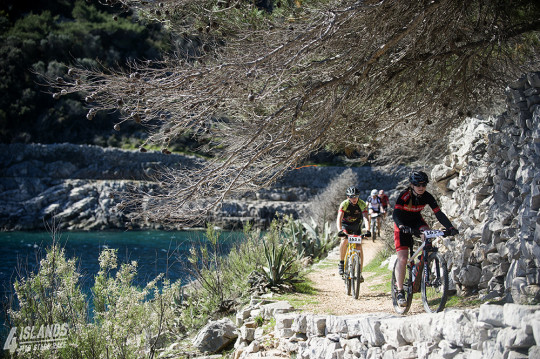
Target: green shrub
125 322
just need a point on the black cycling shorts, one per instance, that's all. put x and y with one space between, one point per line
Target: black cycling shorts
354 228
404 241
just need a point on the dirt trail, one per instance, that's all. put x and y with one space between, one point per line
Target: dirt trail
331 296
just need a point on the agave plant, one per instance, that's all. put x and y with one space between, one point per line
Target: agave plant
318 242
280 268
295 232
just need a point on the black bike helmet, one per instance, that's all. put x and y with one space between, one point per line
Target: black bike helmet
353 191
417 177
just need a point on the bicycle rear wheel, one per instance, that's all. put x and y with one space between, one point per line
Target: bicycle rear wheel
355 274
407 286
435 286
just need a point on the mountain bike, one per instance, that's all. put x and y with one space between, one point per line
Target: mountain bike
352 269
429 275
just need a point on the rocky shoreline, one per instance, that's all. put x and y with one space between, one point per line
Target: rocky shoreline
77 183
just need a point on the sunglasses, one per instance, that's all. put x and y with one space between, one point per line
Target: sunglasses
353 196
421 185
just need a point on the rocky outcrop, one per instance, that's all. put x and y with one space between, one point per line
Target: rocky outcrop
490 185
77 185
74 183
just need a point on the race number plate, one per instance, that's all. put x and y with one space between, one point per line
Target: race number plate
432 233
355 239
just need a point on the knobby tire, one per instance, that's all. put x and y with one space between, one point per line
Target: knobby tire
356 273
347 275
435 286
374 229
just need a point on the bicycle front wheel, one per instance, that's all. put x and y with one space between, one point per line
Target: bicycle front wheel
435 284
355 275
347 275
374 229
407 287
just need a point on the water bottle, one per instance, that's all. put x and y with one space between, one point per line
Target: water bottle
414 271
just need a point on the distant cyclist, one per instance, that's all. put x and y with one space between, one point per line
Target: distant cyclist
349 220
375 206
384 201
407 218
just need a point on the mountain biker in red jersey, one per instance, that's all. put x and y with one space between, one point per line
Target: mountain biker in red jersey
349 221
385 201
407 218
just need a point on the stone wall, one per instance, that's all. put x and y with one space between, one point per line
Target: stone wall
489 185
490 331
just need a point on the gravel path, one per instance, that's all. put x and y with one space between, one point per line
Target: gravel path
331 296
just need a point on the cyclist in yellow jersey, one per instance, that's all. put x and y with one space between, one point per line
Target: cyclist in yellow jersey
349 220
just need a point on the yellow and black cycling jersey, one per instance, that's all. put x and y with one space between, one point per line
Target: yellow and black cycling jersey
352 213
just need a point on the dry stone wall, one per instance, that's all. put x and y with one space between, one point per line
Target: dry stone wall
488 332
489 185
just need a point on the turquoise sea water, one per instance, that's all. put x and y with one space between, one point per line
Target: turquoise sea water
155 252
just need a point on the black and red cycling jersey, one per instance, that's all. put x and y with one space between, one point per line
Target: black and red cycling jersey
408 208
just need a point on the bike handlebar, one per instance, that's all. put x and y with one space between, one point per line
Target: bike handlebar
445 232
346 235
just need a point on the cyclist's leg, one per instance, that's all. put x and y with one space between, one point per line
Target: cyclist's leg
343 248
361 253
361 256
342 252
402 242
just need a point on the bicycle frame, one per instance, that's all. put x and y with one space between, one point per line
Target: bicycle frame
431 279
353 246
353 265
424 249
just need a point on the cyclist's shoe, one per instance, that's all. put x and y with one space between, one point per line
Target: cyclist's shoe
402 302
340 268
361 279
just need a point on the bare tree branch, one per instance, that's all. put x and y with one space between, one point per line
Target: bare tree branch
388 78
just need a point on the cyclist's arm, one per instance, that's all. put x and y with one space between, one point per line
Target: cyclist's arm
339 219
398 212
364 207
381 208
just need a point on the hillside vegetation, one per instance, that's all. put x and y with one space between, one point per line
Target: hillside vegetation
41 38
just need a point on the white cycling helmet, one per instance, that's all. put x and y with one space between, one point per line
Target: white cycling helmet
374 192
